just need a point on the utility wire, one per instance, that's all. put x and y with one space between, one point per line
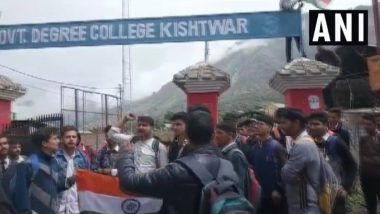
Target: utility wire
51 81
42 89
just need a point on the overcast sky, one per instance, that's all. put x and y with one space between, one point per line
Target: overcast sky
152 65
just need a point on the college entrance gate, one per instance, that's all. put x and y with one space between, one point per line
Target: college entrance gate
235 26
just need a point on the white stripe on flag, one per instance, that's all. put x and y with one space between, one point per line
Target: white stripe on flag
99 203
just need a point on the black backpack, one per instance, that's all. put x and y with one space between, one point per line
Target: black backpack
219 195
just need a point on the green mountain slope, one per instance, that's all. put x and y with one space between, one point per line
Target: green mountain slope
250 69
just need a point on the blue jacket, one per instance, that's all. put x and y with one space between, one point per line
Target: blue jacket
38 185
80 161
267 159
106 158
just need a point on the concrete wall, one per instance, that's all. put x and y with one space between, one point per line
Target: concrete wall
299 98
96 141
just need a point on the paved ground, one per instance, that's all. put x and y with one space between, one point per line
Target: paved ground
362 210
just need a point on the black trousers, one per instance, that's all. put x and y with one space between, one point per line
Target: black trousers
371 190
267 207
339 206
288 47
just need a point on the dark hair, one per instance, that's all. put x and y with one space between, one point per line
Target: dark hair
43 135
319 116
71 128
279 112
199 127
265 118
293 114
13 142
376 115
369 117
67 129
243 123
107 129
199 107
146 119
227 126
337 111
179 116
157 138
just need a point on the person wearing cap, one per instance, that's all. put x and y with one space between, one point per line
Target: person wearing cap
225 135
267 158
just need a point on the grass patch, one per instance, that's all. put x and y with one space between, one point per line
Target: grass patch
356 199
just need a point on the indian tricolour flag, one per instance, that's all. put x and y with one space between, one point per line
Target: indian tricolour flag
101 194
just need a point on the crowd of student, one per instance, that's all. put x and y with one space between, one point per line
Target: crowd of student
274 163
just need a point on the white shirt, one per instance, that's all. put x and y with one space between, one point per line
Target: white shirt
6 164
18 160
69 201
116 136
303 135
184 143
228 146
323 150
326 136
289 143
145 157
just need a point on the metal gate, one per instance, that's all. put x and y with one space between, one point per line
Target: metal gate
88 110
22 130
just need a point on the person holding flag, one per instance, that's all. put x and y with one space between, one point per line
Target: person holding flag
70 158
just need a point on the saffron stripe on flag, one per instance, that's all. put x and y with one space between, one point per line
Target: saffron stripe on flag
101 194
104 184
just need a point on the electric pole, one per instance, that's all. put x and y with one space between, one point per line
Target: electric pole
207 52
126 101
376 16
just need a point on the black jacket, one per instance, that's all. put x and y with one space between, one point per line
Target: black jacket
342 161
369 156
342 133
175 184
240 164
5 204
174 149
